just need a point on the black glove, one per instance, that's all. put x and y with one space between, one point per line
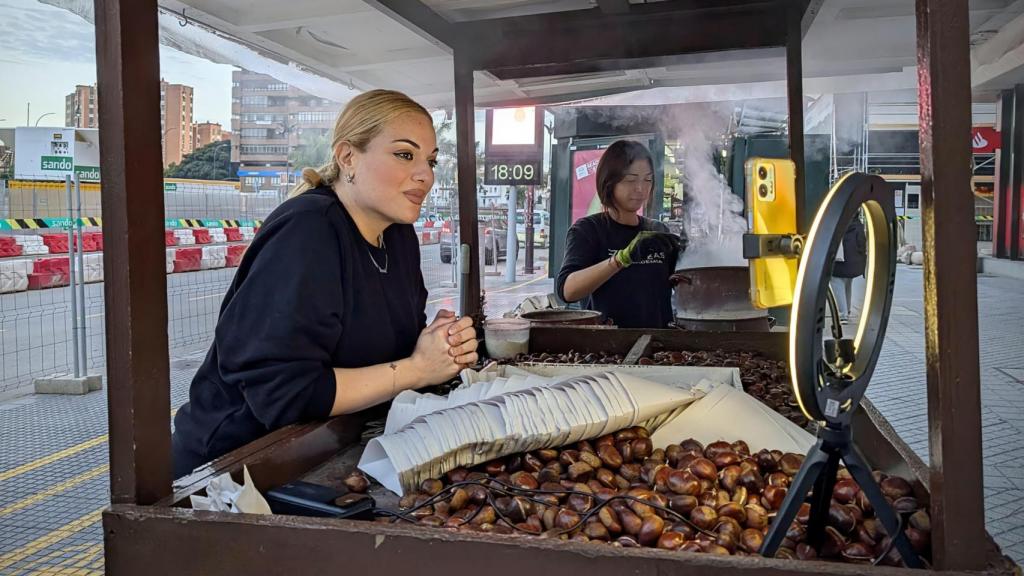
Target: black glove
647 243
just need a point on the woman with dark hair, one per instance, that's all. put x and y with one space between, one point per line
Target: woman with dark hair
850 262
617 260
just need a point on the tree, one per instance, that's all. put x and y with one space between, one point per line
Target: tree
211 162
313 150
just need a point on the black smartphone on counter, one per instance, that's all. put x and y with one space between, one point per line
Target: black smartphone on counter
306 499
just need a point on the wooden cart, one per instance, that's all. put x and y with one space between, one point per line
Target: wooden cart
147 531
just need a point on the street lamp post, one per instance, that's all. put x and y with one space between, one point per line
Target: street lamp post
43 116
163 142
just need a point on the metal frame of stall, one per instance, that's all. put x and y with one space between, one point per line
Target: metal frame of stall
146 533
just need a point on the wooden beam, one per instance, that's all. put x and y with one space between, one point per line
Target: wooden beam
613 6
648 31
419 18
135 287
795 95
465 139
950 286
810 12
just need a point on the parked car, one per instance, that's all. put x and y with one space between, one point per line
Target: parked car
491 234
541 230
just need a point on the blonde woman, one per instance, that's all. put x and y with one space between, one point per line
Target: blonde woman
325 315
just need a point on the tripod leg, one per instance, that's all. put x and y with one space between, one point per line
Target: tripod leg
812 467
821 501
883 511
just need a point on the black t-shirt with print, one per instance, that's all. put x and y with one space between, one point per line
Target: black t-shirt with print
636 297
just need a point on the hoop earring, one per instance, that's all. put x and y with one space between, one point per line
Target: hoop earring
350 178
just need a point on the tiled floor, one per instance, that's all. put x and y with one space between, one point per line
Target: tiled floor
54 480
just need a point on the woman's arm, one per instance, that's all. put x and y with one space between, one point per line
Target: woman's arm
444 347
582 283
360 388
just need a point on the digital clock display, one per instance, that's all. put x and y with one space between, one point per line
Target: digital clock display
499 172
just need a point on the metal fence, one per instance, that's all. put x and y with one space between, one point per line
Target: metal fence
36 325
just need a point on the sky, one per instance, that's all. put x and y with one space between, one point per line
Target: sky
48 51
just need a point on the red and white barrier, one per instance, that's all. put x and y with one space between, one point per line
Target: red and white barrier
49 273
93 264
202 235
57 243
188 259
217 236
184 237
234 255
214 257
31 245
430 237
8 247
181 255
14 275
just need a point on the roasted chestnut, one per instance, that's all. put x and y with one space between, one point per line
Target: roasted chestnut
683 482
773 497
751 540
704 469
580 471
756 517
727 458
524 480
547 455
357 482
630 471
845 491
591 459
458 500
895 487
682 504
568 457
595 530
609 456
790 463
805 551
671 540
858 552
566 519
651 529
732 510
704 517
841 517
642 448
631 523
457 475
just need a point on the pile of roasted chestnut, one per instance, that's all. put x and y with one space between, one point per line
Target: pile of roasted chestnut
767 380
620 490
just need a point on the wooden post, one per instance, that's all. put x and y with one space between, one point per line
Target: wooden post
950 286
465 141
135 287
795 94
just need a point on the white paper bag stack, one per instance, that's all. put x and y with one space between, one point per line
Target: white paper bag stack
479 430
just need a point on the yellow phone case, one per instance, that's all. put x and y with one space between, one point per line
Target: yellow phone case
771 209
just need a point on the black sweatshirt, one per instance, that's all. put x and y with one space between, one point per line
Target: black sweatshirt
307 298
636 297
